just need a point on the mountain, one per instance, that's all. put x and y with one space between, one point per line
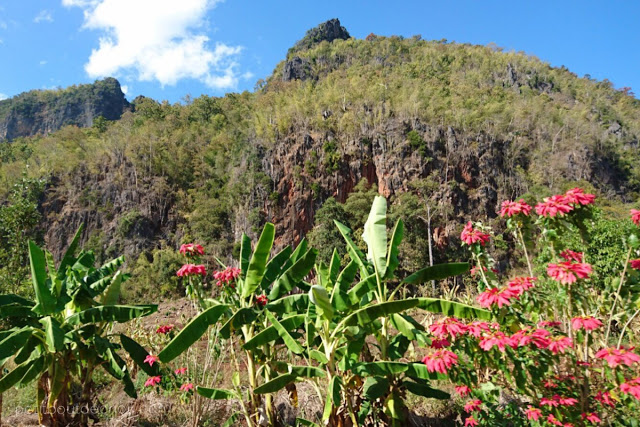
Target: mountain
41 112
445 130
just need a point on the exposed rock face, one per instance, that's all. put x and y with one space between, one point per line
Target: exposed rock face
327 31
42 112
296 69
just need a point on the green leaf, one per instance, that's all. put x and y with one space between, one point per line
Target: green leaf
299 251
245 253
46 302
294 274
380 368
233 420
392 255
334 266
340 297
13 342
14 376
111 313
53 334
368 314
242 317
271 334
406 325
275 384
258 262
112 293
375 234
437 272
216 393
455 309
333 397
296 303
291 343
354 252
69 259
361 289
7 299
35 370
304 422
318 356
58 383
305 371
375 387
320 298
274 267
138 354
191 332
426 391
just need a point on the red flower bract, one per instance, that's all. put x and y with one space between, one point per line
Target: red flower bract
191 249
440 361
186 387
521 284
553 206
151 381
588 323
471 235
618 356
462 390
150 360
579 197
226 276
570 255
191 270
568 272
631 387
498 296
559 344
514 208
473 405
180 371
449 326
262 300
164 329
532 413
635 264
635 216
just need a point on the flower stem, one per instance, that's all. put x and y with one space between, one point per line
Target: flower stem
616 296
626 325
524 248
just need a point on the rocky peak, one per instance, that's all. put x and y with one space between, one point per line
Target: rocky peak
327 31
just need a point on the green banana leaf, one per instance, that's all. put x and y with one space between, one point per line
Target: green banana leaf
258 261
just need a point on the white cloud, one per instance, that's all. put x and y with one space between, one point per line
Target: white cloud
43 62
124 89
3 96
159 40
43 16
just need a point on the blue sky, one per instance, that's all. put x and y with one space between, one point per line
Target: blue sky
167 49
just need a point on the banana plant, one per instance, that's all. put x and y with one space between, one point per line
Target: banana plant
261 306
62 337
348 305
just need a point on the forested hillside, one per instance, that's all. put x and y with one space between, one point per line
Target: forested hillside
442 129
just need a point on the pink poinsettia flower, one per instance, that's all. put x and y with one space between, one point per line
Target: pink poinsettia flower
262 300
471 422
180 371
559 344
497 339
570 255
553 420
449 326
533 414
151 381
150 360
471 235
191 270
164 329
226 276
631 387
440 361
497 296
579 197
549 324
521 284
186 387
536 337
635 216
567 401
568 272
588 323
635 264
618 356
554 205
477 328
550 384
510 209
191 249
605 398
473 405
549 401
476 269
440 343
592 417
462 390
